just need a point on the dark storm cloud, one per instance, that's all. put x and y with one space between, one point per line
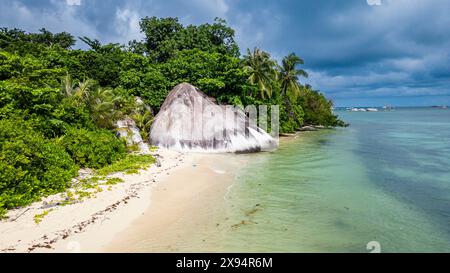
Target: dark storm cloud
394 53
398 49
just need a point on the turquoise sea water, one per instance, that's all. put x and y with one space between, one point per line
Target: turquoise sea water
386 178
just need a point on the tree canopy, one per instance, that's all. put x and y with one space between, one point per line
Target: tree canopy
165 36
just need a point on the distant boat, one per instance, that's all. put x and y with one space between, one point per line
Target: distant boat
358 110
441 107
355 109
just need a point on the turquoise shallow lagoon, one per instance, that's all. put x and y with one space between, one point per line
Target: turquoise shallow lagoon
386 178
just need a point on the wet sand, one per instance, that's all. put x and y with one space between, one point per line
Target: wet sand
182 206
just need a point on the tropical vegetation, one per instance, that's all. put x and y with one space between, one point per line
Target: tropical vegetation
59 104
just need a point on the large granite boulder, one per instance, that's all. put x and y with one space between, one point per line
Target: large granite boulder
191 121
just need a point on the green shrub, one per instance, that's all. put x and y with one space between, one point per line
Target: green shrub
130 164
291 118
114 181
93 149
318 109
2 210
72 112
69 113
30 165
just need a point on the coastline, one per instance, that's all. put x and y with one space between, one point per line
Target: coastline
88 225
185 204
177 199
172 200
189 204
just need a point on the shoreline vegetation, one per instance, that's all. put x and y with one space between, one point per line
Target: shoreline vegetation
60 106
84 209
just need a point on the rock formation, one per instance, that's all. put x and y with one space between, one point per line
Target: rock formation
127 129
190 120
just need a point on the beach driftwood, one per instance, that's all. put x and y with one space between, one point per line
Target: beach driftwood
22 213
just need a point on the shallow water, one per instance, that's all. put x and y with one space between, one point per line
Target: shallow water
386 178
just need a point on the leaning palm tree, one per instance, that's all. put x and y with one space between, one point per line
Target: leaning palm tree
289 75
261 69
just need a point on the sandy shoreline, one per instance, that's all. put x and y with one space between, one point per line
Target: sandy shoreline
181 208
148 212
152 211
91 224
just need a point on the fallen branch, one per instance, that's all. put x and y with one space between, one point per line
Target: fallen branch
20 215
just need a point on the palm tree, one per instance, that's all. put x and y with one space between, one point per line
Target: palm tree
105 105
70 88
143 121
67 86
289 76
84 88
261 69
289 81
102 106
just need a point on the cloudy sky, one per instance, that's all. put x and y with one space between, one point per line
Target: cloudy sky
358 52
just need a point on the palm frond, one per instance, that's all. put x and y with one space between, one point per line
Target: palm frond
262 70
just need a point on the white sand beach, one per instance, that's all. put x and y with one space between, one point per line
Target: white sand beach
150 211
89 225
182 207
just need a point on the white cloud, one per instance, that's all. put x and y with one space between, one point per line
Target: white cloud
73 2
374 2
61 17
127 24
